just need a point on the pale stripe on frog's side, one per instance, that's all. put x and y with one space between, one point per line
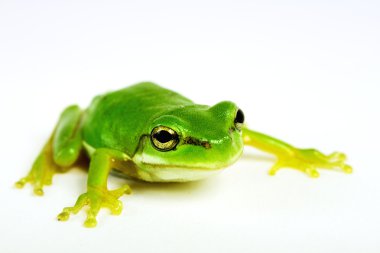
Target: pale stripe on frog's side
158 171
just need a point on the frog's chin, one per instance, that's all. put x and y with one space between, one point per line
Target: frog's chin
175 174
157 171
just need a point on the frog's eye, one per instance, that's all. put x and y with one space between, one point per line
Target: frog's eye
239 119
164 138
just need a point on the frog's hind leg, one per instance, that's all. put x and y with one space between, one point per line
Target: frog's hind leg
60 152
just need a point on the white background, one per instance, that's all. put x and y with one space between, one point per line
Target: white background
306 72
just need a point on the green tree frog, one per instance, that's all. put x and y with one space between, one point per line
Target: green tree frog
153 134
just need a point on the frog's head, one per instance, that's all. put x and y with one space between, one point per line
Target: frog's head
189 142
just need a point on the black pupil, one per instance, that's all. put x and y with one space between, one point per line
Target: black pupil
239 117
163 136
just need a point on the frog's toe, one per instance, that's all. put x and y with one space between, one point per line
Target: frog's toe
125 189
38 177
311 171
90 222
38 191
337 161
341 166
347 168
81 202
49 181
115 206
37 186
64 215
337 156
21 183
276 167
308 169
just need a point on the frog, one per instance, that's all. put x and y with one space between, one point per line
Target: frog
149 133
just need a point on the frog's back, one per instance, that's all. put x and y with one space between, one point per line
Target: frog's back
118 119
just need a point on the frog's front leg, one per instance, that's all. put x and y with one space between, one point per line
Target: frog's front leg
305 160
60 152
97 195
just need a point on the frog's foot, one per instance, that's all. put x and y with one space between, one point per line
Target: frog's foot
308 160
40 175
95 199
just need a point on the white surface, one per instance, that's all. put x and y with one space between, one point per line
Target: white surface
307 73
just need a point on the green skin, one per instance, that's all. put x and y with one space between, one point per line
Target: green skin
117 133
